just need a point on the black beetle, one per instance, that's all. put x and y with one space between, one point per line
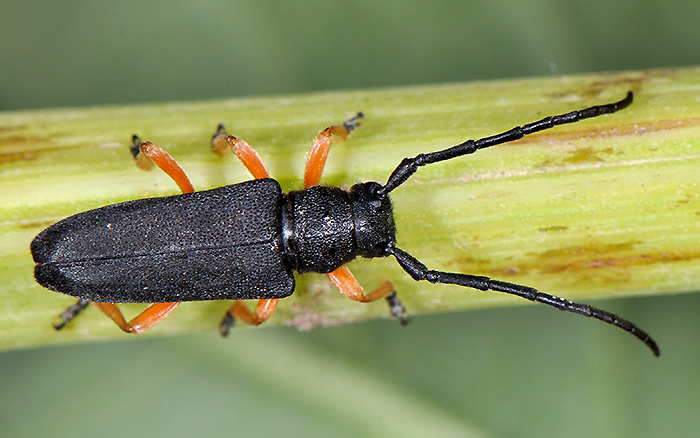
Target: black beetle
244 241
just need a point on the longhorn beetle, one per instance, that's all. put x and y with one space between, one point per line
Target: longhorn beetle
244 241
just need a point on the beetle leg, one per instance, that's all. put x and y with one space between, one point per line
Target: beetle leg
70 313
142 161
316 160
343 279
145 320
167 164
248 156
263 311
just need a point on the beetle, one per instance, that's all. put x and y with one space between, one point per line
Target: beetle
245 241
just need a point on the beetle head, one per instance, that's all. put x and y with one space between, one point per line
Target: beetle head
373 219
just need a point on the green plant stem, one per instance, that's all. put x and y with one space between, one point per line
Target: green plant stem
601 208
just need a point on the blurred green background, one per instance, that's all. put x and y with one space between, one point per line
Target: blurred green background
526 371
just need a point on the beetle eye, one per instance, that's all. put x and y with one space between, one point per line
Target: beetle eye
376 192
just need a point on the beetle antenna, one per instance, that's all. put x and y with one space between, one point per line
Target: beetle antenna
418 271
408 166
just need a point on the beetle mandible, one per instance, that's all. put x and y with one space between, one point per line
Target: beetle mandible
244 241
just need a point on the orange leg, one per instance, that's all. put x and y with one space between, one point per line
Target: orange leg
319 151
343 279
248 156
168 165
255 165
263 311
155 312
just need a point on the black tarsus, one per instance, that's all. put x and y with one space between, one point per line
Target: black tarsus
70 313
220 130
352 123
397 309
418 271
135 145
408 166
226 324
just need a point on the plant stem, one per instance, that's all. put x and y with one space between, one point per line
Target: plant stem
601 208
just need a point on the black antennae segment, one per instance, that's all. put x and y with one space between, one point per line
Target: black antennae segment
418 271
408 166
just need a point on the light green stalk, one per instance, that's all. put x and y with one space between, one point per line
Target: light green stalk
606 207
